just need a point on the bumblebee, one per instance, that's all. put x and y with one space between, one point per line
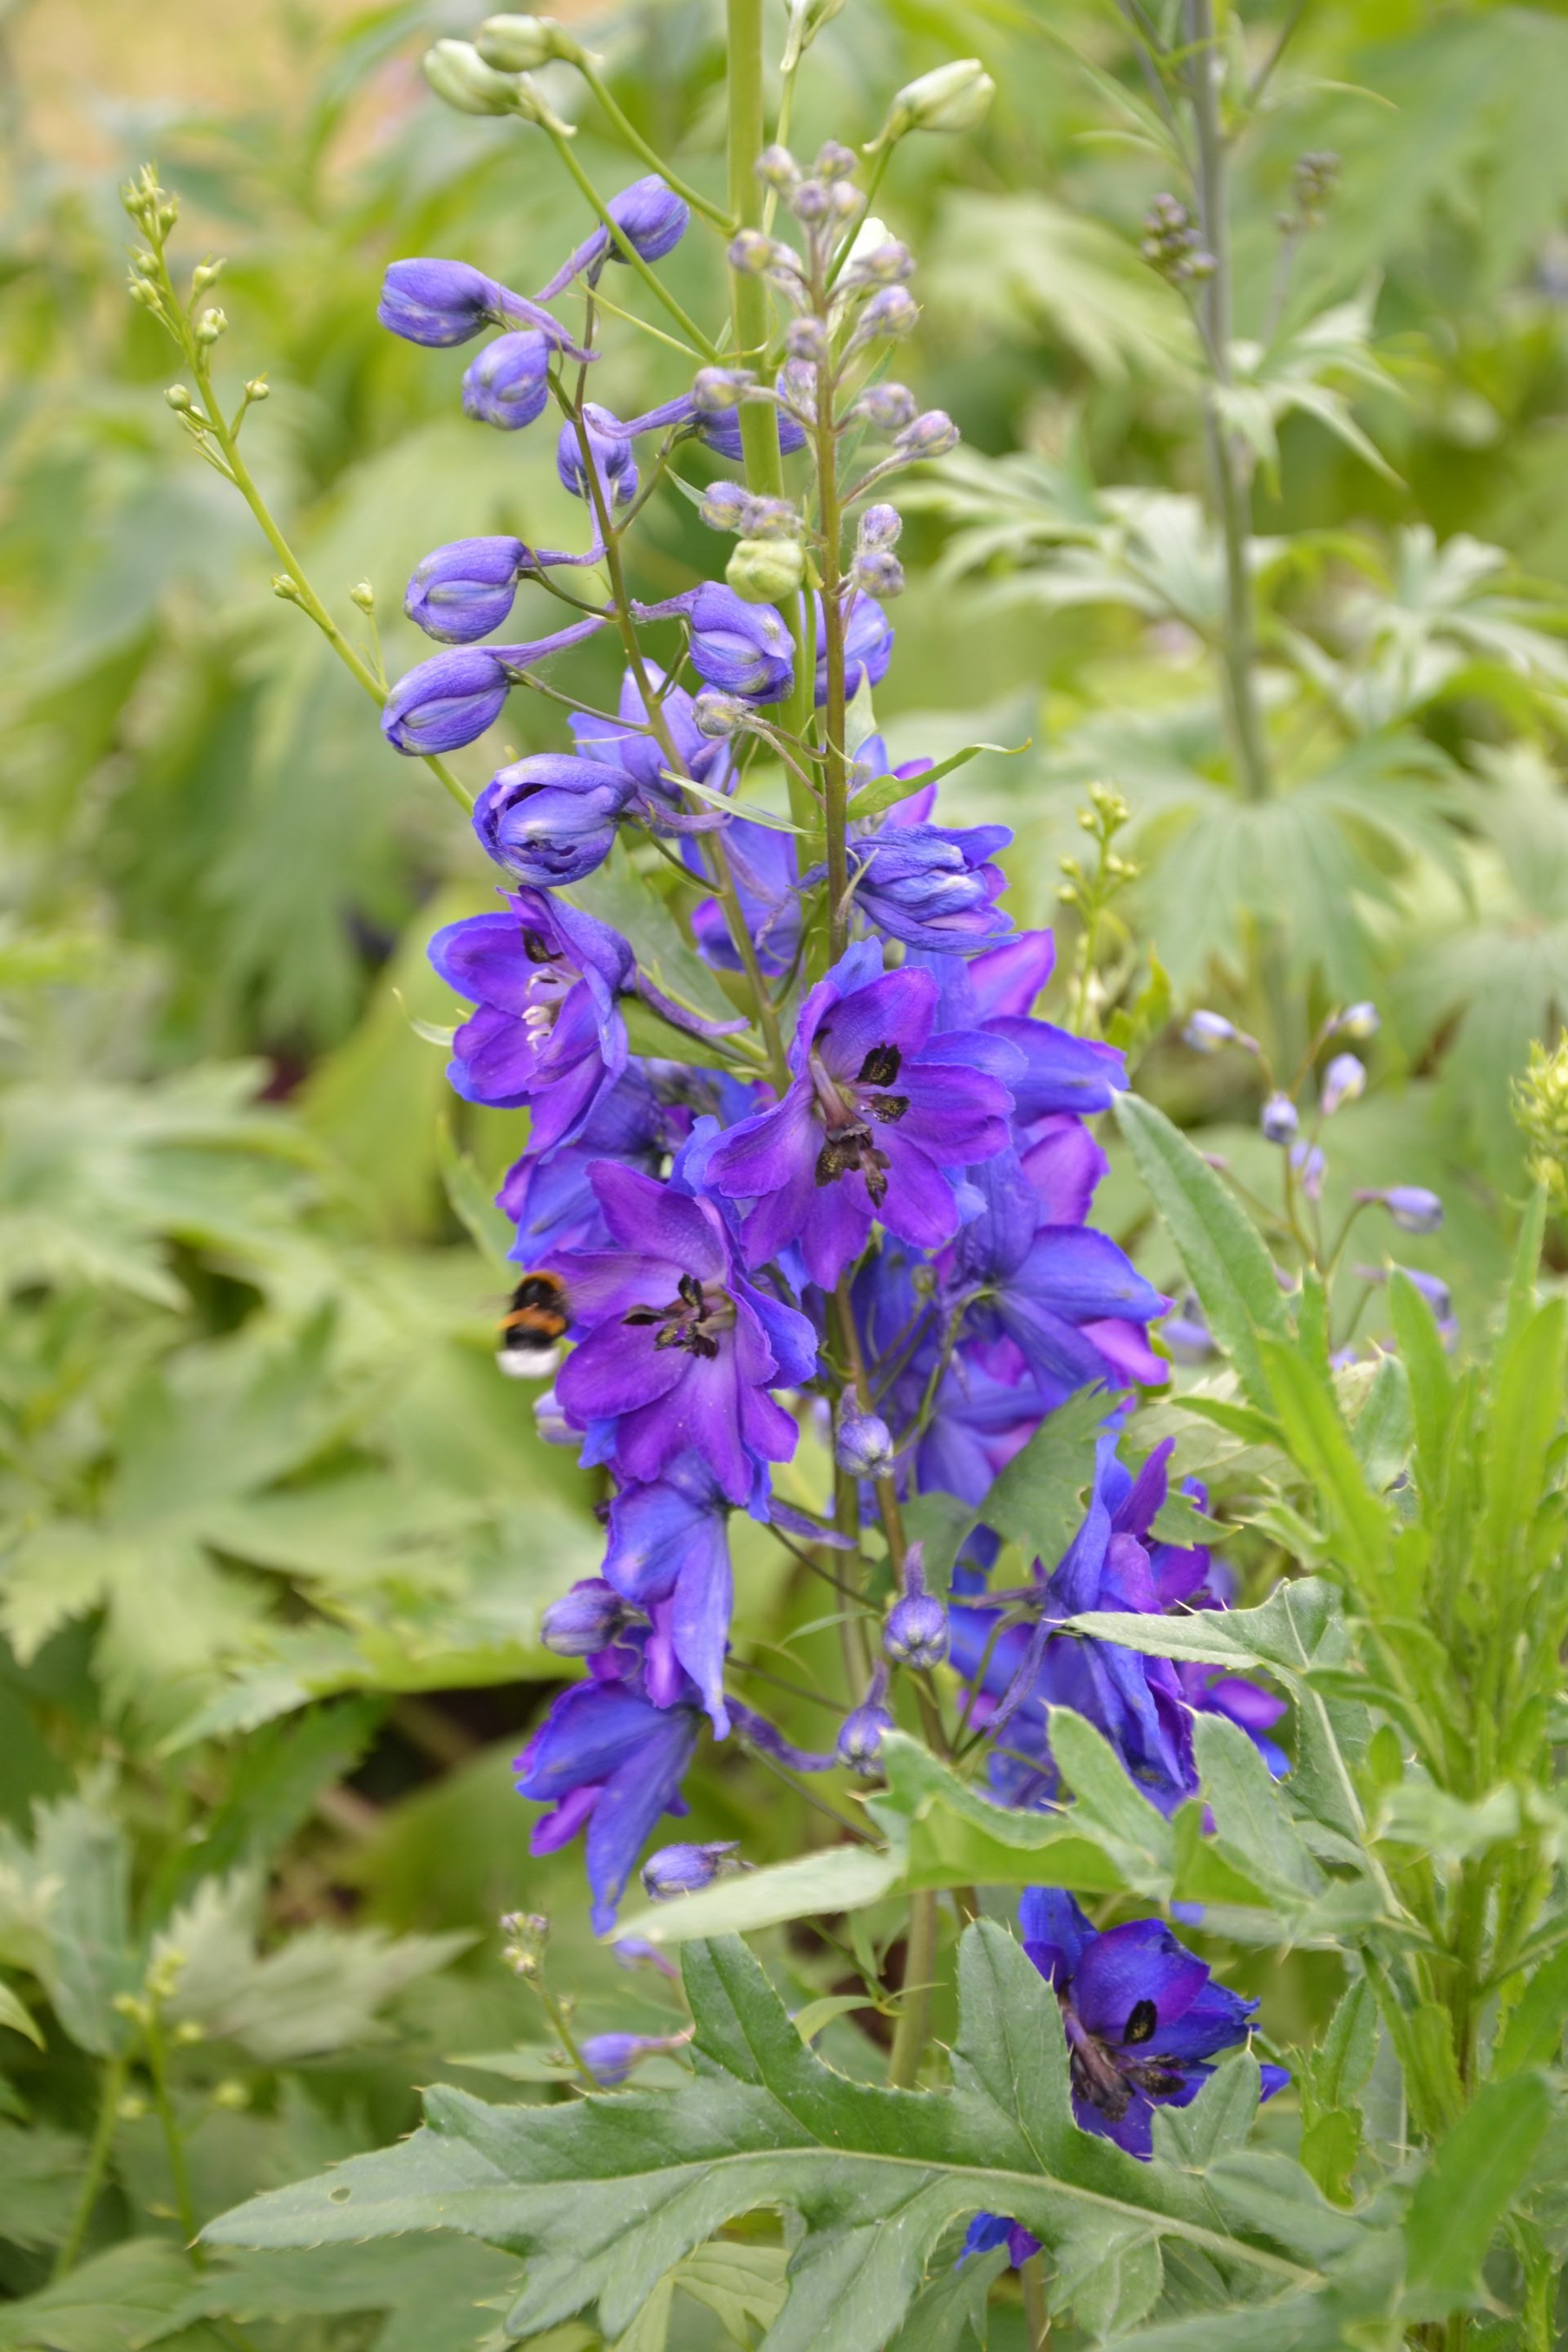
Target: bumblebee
528 1345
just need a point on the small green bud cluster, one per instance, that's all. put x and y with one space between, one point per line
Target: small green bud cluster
1315 179
525 1935
1173 243
1540 1112
460 76
953 96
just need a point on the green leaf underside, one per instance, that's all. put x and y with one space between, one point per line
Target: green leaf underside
606 2195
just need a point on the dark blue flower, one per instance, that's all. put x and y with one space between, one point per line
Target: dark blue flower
879 1119
463 591
508 384
548 1031
932 886
632 745
668 1545
860 1735
550 1198
551 819
652 218
587 1618
687 1869
744 648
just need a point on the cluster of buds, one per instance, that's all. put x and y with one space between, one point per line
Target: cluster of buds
461 76
1316 175
1541 1109
1172 243
877 569
524 1935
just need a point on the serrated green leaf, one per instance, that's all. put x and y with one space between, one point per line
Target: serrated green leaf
1038 1499
1465 2195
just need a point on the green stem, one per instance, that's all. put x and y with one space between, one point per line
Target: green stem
835 765
915 2008
110 2092
639 146
627 250
1037 2312
173 2141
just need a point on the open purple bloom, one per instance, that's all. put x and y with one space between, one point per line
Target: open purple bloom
610 1760
551 819
547 1029
549 1197
438 303
508 384
668 1544
449 701
677 1350
764 868
463 591
650 215
879 1119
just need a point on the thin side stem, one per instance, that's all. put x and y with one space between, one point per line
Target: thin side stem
110 2092
835 766
628 251
914 2009
639 146
1036 2311
173 2139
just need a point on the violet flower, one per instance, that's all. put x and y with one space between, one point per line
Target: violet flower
450 699
508 383
611 455
868 646
550 1196
932 886
440 303
677 1350
880 1120
547 1029
551 819
668 1545
465 590
651 217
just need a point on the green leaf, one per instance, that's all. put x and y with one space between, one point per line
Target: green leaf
619 896
1523 1420
951 2312
837 1879
440 2292
1464 2197
1431 1384
887 791
1219 2119
15 2018
112 2303
468 1198
1037 1500
1226 1264
608 2195
1320 1443
1109 1806
1533 2034
1252 1826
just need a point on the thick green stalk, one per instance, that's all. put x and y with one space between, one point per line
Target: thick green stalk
915 2008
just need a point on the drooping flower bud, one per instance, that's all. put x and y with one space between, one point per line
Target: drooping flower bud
1344 1081
509 383
878 572
1414 1209
551 819
931 435
1207 1032
683 1869
860 1737
744 648
887 316
891 263
1280 1119
951 98
614 459
777 169
761 571
459 76
752 253
726 506
523 44
462 593
610 2057
916 1632
888 406
440 303
586 1619
807 340
716 389
1311 1166
1359 1022
864 1447
445 702
719 715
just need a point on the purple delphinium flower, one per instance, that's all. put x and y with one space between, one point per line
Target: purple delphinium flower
551 819
1414 1209
549 1197
677 1350
670 1552
744 648
612 456
651 217
1344 1081
609 1760
686 1869
877 1121
440 303
463 591
860 1735
631 744
868 646
610 2057
547 1029
587 1618
508 383
764 869
450 699
932 886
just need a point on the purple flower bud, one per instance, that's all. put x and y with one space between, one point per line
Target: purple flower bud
550 1422
1344 1081
773 519
1360 1022
715 390
726 507
860 1739
723 435
777 168
464 590
931 435
752 253
879 527
682 1869
916 1631
1310 1167
1432 1287
438 303
610 2057
888 406
1187 1337
744 648
806 338
892 313
636 1952
585 1619
878 572
551 819
508 384
868 646
1206 1032
890 263
614 459
865 1446
719 715
445 702
1414 1209
810 200
650 216
1279 1120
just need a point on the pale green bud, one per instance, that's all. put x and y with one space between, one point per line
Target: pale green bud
520 44
458 75
952 98
212 324
364 595
178 398
761 571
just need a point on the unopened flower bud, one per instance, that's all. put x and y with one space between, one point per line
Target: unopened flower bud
585 1619
715 390
887 315
524 1937
550 1422
916 1631
683 1869
860 1737
726 507
777 169
762 570
212 324
1344 1081
257 388
952 98
810 200
880 526
806 338
179 399
610 2057
1414 1209
890 407
1311 1166
1359 1022
836 162
521 44
879 573
1207 1032
844 200
717 714
286 590
752 253
231 2094
140 291
931 435
1278 1119
461 78
888 264
773 519
203 275
864 1447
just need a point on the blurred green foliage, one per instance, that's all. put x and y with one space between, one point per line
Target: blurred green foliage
276 1535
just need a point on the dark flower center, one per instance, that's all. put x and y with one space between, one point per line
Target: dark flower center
845 1108
695 1318
1103 2076
1141 2023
